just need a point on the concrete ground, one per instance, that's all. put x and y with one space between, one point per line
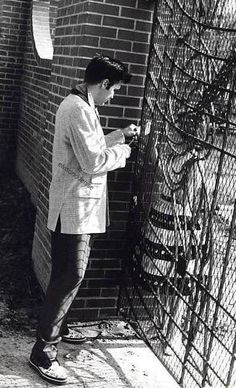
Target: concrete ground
100 363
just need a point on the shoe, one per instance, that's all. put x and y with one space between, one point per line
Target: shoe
73 337
54 374
43 359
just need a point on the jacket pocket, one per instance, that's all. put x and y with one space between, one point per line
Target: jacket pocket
98 179
90 186
89 190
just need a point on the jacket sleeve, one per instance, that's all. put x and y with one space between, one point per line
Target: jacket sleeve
87 146
114 137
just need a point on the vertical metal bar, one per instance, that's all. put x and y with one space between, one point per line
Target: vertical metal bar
232 362
226 259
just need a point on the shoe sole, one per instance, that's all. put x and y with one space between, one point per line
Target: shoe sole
45 377
74 340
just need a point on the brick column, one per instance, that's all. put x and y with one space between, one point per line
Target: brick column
34 93
13 27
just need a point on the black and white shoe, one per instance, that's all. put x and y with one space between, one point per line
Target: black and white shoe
54 374
73 337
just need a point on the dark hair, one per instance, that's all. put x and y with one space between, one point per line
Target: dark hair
104 67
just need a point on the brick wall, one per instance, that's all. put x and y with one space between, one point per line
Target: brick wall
13 26
34 97
121 29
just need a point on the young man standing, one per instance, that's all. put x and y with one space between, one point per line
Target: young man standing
78 203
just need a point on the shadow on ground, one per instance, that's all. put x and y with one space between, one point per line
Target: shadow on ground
20 295
102 363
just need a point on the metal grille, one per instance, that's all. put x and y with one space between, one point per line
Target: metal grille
180 287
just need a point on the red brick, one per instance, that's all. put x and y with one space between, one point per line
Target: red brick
131 57
102 283
141 47
109 110
126 101
143 26
109 312
98 31
118 44
128 3
103 302
79 303
133 36
136 13
87 292
138 69
94 274
145 4
103 9
109 292
84 314
118 22
105 263
134 113
137 80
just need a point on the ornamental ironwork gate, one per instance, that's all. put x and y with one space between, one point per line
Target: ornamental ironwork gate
179 286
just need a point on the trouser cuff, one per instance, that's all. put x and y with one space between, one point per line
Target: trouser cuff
46 342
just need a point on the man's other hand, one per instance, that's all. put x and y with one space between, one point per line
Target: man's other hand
131 131
127 150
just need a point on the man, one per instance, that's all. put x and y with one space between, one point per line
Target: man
82 156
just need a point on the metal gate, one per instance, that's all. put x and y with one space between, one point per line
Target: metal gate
180 287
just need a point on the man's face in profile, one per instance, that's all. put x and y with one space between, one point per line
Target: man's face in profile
105 94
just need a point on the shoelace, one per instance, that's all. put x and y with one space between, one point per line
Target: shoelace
51 351
55 369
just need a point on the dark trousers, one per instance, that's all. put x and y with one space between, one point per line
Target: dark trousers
70 253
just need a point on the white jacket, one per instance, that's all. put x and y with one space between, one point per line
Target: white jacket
82 156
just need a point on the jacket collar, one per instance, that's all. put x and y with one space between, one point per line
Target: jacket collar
82 91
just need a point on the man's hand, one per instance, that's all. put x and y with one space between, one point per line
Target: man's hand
131 131
126 149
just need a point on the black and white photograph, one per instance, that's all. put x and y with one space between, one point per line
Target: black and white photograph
118 193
